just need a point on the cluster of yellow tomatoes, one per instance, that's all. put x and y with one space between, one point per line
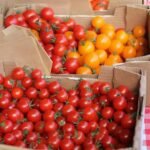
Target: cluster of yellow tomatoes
104 45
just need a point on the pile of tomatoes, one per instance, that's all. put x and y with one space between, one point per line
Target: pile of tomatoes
40 114
99 4
75 50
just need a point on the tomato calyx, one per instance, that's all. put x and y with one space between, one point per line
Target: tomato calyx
58 114
95 132
25 132
54 27
2 124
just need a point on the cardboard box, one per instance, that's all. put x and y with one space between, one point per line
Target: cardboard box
23 49
134 78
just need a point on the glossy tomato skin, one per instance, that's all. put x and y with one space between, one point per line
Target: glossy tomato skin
119 103
50 126
45 104
60 39
31 93
18 73
36 74
62 96
73 117
40 84
47 13
66 144
29 13
123 89
4 102
26 126
61 28
59 50
83 126
104 101
17 92
79 32
6 126
72 65
49 115
26 82
54 87
70 23
107 112
9 139
113 93
10 20
54 142
105 88
118 115
34 115
78 137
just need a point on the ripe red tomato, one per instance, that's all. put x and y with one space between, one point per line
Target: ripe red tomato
18 73
119 103
67 109
47 13
85 102
89 114
73 117
43 93
127 121
34 22
131 97
55 21
20 18
60 39
39 126
73 100
123 89
73 92
72 64
23 105
9 83
56 58
107 112
34 115
72 44
108 141
40 84
104 101
118 115
6 126
93 125
79 32
59 50
101 134
78 137
26 127
95 87
26 82
49 115
14 115
58 107
86 93
46 36
29 13
105 88
9 139
20 144
70 23
103 123
31 93
50 126
36 74
1 78
61 28
49 47
66 144
57 67
83 126
32 137
62 96
113 93
45 104
17 92
54 86
84 84
69 128
4 102
18 134
112 127
10 20
131 107
54 142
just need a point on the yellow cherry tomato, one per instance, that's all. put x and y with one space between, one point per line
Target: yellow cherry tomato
98 22
84 70
102 54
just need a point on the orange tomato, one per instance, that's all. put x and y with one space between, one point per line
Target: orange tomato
116 47
92 60
81 60
133 42
90 35
139 31
97 70
113 59
84 70
142 42
102 54
86 47
102 42
73 54
109 33
106 27
36 34
129 52
122 36
69 35
98 22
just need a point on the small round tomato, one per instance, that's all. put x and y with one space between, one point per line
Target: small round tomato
105 88
18 134
32 137
23 105
67 109
118 115
123 89
111 127
122 36
139 31
26 82
54 142
83 126
70 23
62 96
39 126
89 114
128 121
47 13
131 107
55 21
66 144
36 74
50 126
98 22
43 93
78 137
18 73
107 112
84 70
85 102
9 83
92 60
54 86
4 102
26 127
17 92
60 39
107 141
10 20
102 55
119 103
102 42
129 52
31 93
57 67
29 13
34 115
85 47
83 84
79 32
73 117
6 126
9 139
45 104
103 123
14 115
73 100
104 101
61 28
72 64
68 128
49 115
40 84
59 50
